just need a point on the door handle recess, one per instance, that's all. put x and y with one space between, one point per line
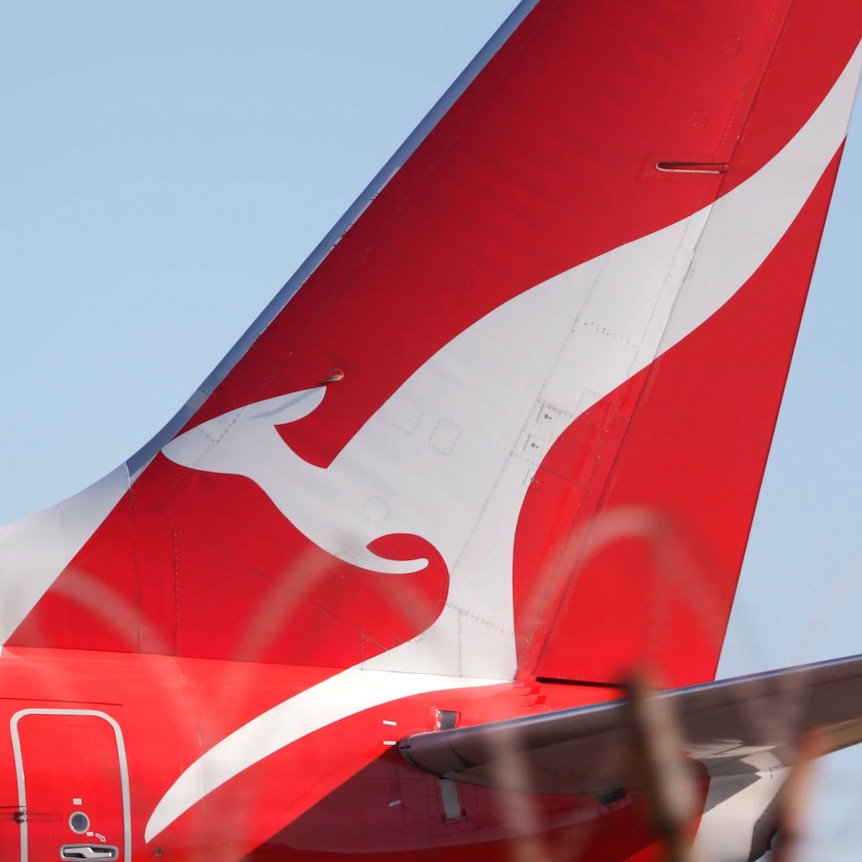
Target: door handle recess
89 851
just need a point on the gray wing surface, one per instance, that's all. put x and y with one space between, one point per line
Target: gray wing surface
731 727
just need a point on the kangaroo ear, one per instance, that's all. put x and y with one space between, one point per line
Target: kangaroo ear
239 429
287 408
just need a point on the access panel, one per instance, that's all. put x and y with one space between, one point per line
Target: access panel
73 786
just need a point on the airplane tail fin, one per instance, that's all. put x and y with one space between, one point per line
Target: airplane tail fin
513 414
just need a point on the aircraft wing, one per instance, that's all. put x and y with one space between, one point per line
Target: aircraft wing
731 727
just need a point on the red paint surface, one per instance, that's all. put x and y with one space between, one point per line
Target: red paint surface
546 161
171 711
653 491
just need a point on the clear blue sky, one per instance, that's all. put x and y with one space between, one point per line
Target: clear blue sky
167 166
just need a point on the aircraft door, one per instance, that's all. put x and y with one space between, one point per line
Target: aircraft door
73 785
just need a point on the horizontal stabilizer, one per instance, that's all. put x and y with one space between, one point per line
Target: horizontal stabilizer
732 727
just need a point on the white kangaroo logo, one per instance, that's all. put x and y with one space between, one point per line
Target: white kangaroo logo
329 506
449 456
